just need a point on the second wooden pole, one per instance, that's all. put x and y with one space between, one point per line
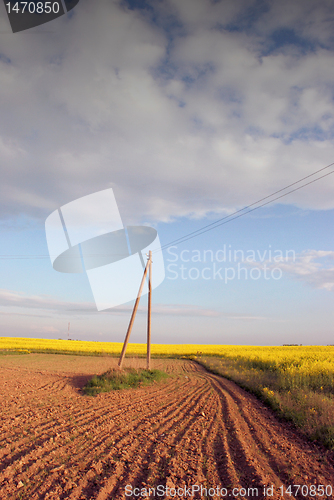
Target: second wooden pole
149 311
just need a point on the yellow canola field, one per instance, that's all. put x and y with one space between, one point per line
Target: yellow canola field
308 359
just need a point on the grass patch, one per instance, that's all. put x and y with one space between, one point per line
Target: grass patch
115 380
7 352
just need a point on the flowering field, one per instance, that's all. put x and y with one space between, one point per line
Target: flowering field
294 366
267 357
297 381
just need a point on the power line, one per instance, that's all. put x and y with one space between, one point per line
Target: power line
25 257
219 222
30 257
229 218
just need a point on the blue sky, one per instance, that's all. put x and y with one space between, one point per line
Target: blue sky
189 111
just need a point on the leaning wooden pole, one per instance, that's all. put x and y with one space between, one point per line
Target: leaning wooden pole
149 312
121 359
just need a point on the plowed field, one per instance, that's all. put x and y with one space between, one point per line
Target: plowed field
195 428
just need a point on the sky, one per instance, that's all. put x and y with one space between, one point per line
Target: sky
189 110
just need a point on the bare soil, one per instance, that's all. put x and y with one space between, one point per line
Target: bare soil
195 428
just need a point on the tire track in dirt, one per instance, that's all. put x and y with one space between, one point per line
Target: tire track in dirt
195 428
271 450
239 445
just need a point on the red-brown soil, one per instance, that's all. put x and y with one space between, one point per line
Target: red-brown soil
195 428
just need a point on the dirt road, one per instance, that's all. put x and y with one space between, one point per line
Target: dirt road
195 429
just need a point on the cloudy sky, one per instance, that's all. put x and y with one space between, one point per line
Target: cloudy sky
189 110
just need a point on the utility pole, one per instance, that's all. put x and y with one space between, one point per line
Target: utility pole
121 359
149 312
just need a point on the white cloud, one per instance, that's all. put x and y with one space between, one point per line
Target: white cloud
314 267
14 303
181 121
20 301
182 310
10 298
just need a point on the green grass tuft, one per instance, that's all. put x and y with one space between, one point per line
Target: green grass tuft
325 435
8 352
115 380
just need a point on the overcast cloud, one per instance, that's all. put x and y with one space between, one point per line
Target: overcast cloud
19 301
313 267
184 107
